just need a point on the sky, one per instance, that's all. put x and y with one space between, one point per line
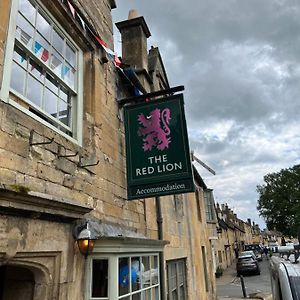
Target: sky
239 62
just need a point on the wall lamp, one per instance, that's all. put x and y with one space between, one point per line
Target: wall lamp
85 242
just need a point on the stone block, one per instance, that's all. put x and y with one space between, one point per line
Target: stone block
57 190
18 163
65 165
16 145
8 126
69 181
112 210
22 131
35 184
7 177
49 173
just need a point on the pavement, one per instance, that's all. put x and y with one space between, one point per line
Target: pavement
229 277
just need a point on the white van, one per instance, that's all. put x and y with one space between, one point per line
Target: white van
285 278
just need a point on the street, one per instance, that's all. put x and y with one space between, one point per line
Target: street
229 285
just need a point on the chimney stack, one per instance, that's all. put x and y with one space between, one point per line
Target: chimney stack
135 33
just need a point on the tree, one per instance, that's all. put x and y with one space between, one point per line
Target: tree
279 200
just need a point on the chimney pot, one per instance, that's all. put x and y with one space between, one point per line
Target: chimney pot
133 13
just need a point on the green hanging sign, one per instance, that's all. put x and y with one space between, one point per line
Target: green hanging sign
157 149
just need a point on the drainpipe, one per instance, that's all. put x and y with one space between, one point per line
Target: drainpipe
159 220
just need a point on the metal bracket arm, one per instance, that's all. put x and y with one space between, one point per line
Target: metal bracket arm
31 143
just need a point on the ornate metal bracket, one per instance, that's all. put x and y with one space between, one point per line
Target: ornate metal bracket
31 143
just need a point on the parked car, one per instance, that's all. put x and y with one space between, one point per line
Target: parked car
247 264
256 248
285 279
246 253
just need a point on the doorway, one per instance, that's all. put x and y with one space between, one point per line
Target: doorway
16 283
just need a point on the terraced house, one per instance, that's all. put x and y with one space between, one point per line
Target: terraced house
67 230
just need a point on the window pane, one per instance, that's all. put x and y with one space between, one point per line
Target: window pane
40 45
146 295
50 103
26 8
20 57
124 276
155 294
70 56
182 293
145 272
58 42
68 74
180 272
56 63
135 271
154 269
64 113
18 78
36 70
52 84
174 295
43 26
34 90
136 296
100 278
24 31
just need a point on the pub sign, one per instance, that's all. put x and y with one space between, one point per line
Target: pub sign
157 151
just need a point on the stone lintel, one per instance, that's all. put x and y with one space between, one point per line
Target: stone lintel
40 206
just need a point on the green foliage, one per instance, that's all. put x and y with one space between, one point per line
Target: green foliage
279 200
20 188
219 271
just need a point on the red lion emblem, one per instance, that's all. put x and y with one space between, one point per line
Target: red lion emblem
154 134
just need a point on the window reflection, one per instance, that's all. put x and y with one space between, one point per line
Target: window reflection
52 84
50 100
124 275
27 10
64 113
18 78
56 63
58 42
43 26
34 90
36 70
70 55
24 31
42 45
68 74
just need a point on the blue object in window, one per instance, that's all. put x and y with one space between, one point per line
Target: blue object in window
124 275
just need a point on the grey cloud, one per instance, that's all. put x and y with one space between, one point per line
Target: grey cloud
239 62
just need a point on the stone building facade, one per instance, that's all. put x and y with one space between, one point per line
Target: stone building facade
62 164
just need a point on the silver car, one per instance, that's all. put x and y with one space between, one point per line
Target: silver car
247 264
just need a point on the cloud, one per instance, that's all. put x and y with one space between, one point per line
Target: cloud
239 63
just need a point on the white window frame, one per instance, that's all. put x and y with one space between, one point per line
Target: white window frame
8 61
176 263
210 211
113 275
